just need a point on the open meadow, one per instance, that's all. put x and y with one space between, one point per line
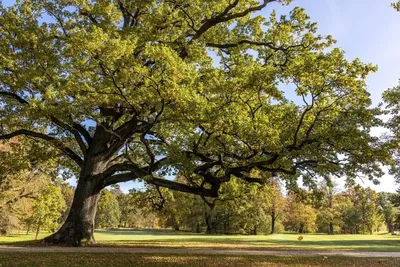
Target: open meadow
164 238
169 239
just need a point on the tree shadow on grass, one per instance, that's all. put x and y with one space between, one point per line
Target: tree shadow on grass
390 244
29 243
155 232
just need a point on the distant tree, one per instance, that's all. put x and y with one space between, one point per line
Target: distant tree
360 210
299 217
17 196
244 207
350 217
277 204
67 192
328 218
22 180
108 213
49 206
387 202
123 203
367 203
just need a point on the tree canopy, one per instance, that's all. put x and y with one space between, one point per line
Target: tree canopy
207 89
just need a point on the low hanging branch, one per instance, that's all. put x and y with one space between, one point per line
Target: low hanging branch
54 141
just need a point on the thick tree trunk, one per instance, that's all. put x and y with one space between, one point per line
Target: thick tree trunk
79 225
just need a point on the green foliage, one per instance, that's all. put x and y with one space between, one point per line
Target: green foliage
359 210
245 208
387 202
391 98
241 208
108 212
366 202
48 207
250 209
204 90
300 217
23 180
68 195
123 204
144 72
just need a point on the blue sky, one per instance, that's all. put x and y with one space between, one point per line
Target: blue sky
368 29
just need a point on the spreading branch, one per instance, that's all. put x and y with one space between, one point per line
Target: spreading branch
72 130
254 43
54 141
129 176
15 96
227 16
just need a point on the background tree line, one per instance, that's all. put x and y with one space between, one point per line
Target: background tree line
32 201
253 209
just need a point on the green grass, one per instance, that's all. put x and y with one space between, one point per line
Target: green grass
169 238
17 237
137 260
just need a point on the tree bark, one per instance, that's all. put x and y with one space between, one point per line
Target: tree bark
211 229
390 227
331 228
208 224
38 229
255 230
301 228
79 225
273 219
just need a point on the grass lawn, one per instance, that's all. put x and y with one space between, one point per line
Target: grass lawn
126 259
169 238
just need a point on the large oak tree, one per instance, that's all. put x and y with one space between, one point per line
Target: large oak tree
141 89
